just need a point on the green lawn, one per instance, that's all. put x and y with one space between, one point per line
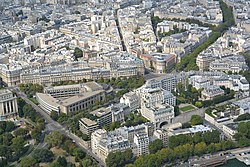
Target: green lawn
187 108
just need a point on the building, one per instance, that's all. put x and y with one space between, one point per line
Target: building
162 135
48 103
119 112
230 130
159 62
203 61
90 94
87 126
151 96
141 141
201 79
103 115
158 113
168 82
8 105
201 83
192 130
136 138
244 105
233 64
71 90
132 100
103 142
210 92
14 74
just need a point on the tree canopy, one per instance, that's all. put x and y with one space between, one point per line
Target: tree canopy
43 155
155 146
120 158
196 120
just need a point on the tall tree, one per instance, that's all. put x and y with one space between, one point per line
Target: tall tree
196 120
43 155
18 144
28 162
55 139
155 146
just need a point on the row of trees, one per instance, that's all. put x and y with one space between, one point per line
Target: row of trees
126 83
181 152
242 117
208 138
181 147
31 89
120 158
28 112
189 62
243 135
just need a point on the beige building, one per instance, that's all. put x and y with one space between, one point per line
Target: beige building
203 61
159 62
158 113
103 143
141 141
103 115
210 92
90 93
132 100
87 126
134 137
8 105
162 135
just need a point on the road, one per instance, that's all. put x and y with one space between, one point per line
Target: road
52 125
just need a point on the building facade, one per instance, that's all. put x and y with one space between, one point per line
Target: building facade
8 105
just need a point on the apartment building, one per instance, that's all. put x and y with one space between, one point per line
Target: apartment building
234 64
159 62
141 141
136 138
162 135
211 92
168 82
149 96
104 116
233 82
87 126
158 113
15 74
243 104
103 142
132 100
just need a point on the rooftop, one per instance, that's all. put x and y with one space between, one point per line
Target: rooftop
88 122
101 111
